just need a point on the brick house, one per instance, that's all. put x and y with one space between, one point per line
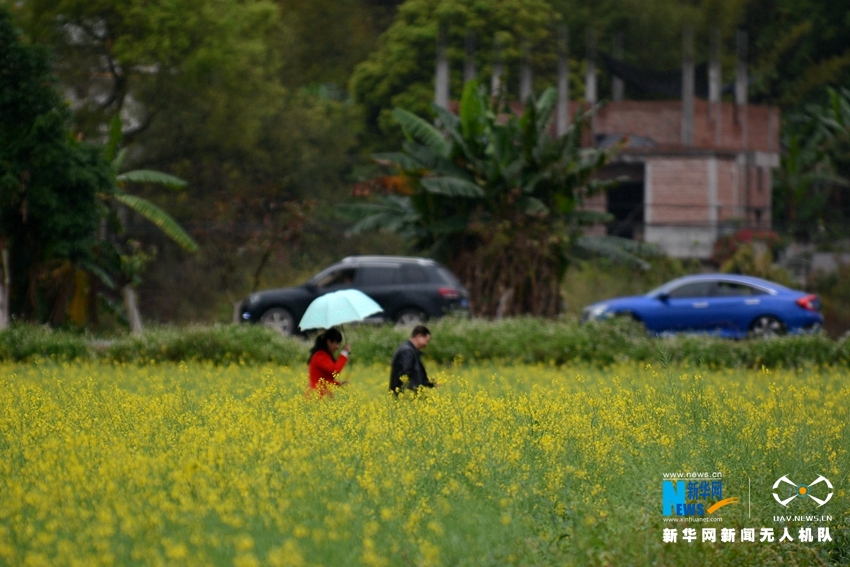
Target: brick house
691 168
682 197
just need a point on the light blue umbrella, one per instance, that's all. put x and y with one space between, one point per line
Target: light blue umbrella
337 308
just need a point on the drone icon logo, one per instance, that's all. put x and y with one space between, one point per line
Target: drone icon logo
802 490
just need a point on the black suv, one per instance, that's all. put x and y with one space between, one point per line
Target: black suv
410 290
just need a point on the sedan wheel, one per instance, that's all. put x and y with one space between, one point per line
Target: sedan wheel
410 318
278 319
767 326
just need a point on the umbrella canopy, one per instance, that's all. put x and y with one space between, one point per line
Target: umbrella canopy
337 308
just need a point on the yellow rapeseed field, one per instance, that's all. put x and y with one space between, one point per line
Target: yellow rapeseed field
516 465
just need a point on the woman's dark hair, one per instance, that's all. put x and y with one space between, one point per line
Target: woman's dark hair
331 335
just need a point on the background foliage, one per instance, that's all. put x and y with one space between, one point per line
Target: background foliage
268 109
49 183
494 195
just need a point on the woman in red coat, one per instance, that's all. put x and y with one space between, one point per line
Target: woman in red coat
324 369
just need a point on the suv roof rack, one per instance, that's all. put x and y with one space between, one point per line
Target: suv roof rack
387 259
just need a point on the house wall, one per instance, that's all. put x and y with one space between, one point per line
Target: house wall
689 201
728 193
678 192
693 193
721 127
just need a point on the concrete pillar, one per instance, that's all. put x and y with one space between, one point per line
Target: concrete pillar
714 84
469 71
590 80
441 82
525 77
617 82
648 198
498 70
688 86
741 88
713 202
563 119
590 77
741 68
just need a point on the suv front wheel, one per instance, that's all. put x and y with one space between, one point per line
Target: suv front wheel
278 319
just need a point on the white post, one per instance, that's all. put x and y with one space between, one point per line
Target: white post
131 306
498 69
5 282
469 71
525 78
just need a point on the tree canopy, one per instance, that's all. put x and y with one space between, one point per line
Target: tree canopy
263 106
49 182
400 72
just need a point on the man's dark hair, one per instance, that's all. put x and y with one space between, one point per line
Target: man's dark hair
420 331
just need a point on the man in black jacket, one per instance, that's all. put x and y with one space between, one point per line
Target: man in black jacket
406 362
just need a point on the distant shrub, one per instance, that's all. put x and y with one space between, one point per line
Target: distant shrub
834 290
727 245
749 261
23 342
462 341
565 341
220 344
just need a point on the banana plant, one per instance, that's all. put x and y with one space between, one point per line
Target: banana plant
129 271
816 144
494 194
145 208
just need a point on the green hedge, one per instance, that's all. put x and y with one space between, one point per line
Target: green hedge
532 340
220 344
25 343
519 340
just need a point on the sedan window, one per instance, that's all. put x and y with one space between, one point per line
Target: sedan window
693 289
733 289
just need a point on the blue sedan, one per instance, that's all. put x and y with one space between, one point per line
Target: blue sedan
724 304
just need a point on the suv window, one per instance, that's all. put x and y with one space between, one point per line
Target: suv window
378 275
694 289
342 277
448 277
412 274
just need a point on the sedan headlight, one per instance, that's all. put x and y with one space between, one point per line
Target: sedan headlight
253 299
596 311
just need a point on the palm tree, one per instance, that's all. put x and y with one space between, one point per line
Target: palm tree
494 195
